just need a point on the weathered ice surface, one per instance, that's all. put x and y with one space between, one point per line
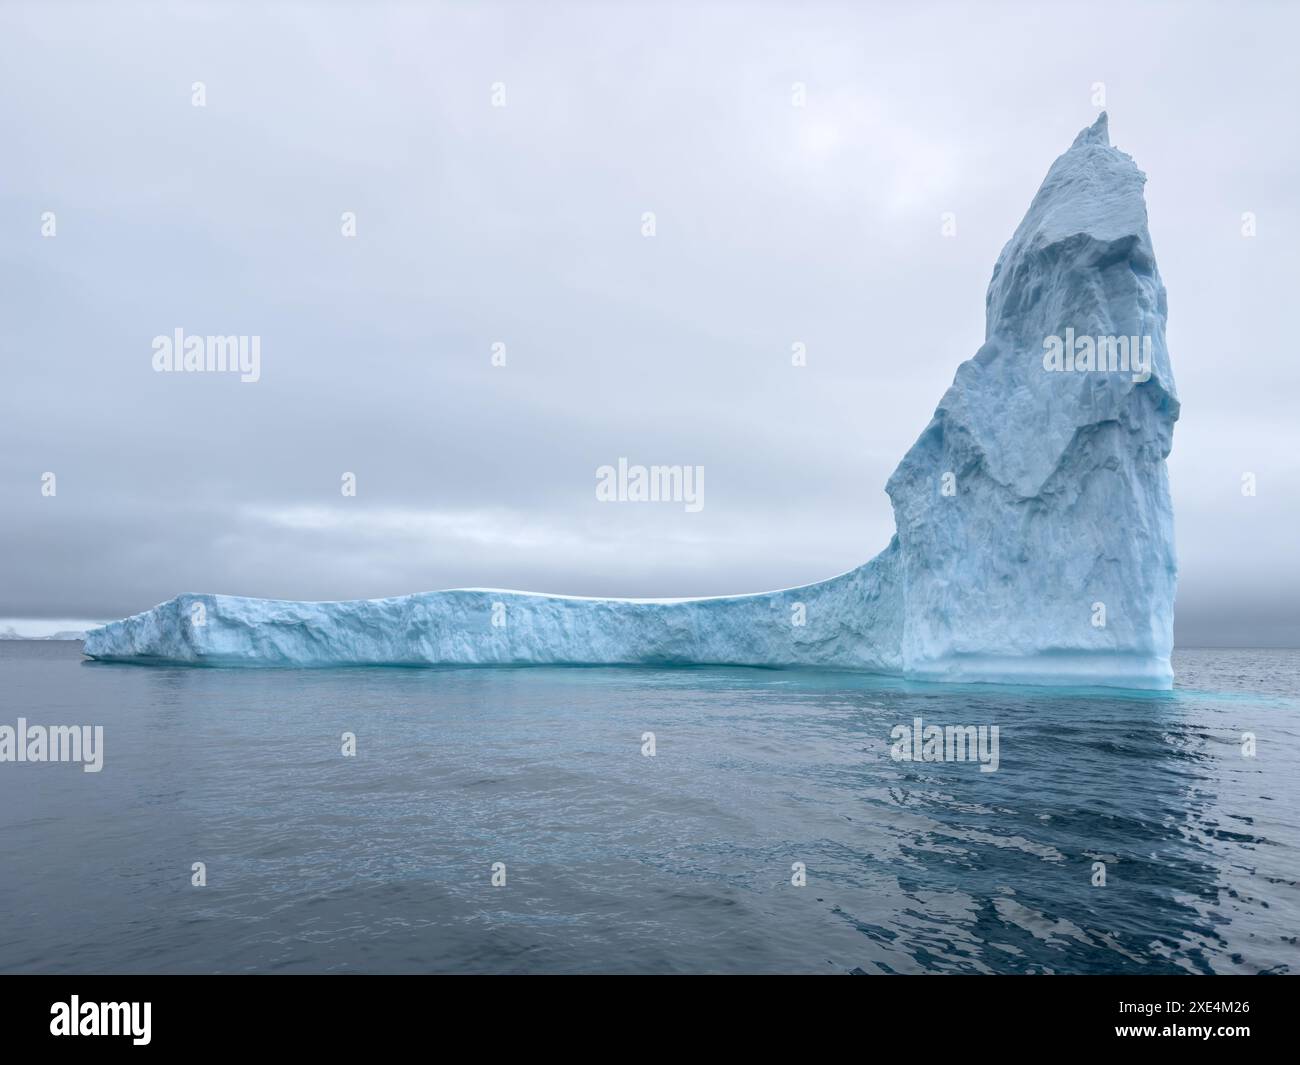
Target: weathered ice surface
1035 532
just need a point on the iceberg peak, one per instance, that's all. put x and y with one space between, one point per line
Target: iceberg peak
1097 133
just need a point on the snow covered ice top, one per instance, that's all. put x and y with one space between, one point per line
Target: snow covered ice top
1035 531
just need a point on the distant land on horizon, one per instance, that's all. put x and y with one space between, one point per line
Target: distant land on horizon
10 633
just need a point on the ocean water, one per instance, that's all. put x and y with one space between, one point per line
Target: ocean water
616 861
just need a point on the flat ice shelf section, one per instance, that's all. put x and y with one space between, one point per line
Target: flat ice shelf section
1035 532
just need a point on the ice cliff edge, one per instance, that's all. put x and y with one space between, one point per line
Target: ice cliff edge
1034 535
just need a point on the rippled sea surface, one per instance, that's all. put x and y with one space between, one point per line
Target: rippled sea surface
619 862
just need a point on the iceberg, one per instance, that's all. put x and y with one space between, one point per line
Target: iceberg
1034 539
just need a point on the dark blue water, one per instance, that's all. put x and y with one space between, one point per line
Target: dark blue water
620 862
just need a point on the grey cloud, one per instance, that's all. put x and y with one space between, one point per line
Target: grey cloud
521 225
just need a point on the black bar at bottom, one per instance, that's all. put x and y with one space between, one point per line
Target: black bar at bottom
344 1014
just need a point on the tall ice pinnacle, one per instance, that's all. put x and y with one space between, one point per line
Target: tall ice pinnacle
1035 531
1058 546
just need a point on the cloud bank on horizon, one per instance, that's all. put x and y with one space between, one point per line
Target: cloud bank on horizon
855 228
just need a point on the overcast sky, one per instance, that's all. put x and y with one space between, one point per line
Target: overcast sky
478 224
